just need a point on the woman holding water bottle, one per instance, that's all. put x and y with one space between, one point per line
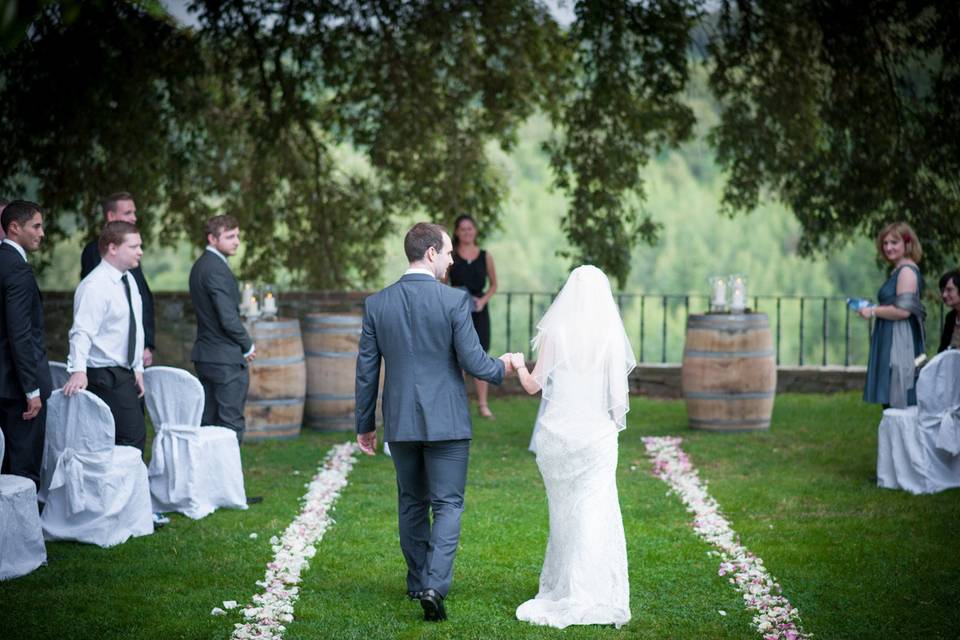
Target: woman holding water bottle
898 340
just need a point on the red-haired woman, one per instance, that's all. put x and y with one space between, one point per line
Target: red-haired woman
898 333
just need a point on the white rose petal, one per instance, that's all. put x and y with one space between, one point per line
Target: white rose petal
217 611
253 536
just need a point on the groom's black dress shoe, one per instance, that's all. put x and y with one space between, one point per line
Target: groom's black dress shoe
432 603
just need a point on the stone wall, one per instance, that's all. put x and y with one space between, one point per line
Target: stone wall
177 324
176 330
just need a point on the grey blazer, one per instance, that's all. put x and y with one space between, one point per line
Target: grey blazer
424 332
221 336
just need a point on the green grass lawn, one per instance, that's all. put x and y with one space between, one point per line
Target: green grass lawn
858 561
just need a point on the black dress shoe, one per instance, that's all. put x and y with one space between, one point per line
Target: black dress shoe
254 499
432 603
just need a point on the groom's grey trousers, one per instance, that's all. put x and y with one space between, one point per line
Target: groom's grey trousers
430 476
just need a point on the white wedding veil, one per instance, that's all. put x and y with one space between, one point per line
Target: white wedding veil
583 353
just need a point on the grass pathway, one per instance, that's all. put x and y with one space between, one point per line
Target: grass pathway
859 562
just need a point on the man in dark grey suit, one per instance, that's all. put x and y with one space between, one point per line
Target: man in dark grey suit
24 373
223 347
423 331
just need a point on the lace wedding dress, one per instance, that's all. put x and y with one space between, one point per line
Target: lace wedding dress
585 400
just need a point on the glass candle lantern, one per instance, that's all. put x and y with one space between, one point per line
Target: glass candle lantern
718 294
269 298
738 293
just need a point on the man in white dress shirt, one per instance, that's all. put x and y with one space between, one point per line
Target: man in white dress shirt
106 339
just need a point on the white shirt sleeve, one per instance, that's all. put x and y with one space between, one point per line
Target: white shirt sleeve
89 309
33 394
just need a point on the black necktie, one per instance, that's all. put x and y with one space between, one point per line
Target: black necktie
132 325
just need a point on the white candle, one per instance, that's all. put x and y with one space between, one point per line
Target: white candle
269 304
719 293
252 308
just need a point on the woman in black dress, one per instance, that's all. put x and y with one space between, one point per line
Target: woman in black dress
472 268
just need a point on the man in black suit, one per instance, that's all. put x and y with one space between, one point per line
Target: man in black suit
3 203
24 373
223 347
120 206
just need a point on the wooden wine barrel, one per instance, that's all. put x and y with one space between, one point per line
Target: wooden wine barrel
729 374
278 381
331 342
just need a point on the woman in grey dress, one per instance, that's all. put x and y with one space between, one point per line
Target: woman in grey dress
898 330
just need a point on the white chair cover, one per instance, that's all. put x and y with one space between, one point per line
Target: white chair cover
939 403
917 447
95 492
58 374
193 469
21 536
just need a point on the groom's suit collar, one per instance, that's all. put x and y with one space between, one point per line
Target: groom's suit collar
418 274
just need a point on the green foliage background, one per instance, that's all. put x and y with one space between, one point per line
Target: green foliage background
684 194
684 190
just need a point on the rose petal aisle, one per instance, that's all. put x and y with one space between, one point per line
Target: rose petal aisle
273 606
776 618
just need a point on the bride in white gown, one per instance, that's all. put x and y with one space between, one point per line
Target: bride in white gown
583 358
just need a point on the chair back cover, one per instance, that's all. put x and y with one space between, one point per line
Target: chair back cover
81 422
938 399
174 397
58 374
80 434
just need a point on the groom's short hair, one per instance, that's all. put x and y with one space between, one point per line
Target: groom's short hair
421 237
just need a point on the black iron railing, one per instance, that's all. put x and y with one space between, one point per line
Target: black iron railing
806 330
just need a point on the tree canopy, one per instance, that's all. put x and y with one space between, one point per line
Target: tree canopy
319 124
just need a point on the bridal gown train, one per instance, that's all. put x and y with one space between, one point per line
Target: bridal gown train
584 576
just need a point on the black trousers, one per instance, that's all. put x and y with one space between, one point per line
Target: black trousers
117 386
23 451
224 394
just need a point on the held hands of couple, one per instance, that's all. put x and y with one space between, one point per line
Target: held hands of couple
511 362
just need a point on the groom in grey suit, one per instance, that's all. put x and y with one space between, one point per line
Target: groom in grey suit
423 331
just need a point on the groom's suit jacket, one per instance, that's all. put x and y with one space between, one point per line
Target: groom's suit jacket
425 334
